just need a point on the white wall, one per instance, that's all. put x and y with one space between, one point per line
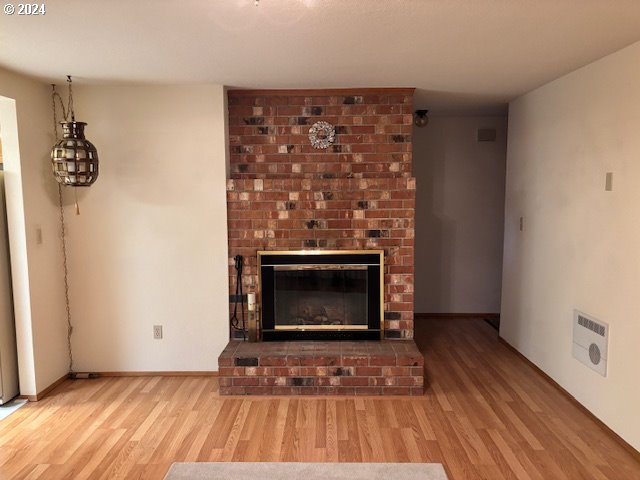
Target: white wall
459 214
150 245
580 244
26 129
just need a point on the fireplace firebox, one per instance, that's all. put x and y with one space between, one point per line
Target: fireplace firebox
321 295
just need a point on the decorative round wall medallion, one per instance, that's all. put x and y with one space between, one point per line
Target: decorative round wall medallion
322 135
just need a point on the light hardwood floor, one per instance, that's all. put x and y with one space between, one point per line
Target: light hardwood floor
485 414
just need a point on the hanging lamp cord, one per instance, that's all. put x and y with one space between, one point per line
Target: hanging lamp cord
70 110
55 94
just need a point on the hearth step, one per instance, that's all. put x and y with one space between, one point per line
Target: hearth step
321 368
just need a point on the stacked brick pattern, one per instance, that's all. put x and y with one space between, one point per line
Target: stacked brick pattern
268 133
357 194
334 214
321 368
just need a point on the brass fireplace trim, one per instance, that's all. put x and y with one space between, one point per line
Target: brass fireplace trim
321 327
319 266
262 253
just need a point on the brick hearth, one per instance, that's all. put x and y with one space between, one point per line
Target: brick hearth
359 194
321 368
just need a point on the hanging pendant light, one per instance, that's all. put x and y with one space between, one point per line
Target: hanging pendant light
74 158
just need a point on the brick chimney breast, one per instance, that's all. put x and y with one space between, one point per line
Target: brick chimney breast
356 194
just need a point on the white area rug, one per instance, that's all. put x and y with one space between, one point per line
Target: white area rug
8 408
306 471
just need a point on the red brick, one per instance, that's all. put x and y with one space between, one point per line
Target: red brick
253 371
284 111
395 371
407 381
354 381
233 391
314 371
245 381
258 390
368 371
397 390
225 362
385 361
327 361
327 391
355 360
293 360
369 391
410 361
307 360
273 361
285 371
307 390
299 100
345 391
377 381
324 381
284 390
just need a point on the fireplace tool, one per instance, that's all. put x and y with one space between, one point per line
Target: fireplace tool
239 298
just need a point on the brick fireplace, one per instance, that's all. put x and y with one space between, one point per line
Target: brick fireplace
357 194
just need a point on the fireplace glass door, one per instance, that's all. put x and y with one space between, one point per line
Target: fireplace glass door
320 297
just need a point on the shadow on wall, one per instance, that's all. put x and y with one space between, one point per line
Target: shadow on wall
459 214
435 233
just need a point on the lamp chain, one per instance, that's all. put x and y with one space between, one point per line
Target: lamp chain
70 106
63 229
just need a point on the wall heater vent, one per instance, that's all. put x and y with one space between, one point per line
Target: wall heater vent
590 342
591 325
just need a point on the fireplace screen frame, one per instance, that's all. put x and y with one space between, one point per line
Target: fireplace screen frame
370 260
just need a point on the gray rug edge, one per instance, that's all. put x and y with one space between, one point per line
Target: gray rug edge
11 407
311 471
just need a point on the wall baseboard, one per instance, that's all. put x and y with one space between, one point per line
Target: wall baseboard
40 395
455 315
621 441
194 373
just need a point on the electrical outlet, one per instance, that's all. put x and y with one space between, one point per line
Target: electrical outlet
157 332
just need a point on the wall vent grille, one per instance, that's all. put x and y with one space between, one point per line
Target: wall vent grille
486 135
590 342
591 325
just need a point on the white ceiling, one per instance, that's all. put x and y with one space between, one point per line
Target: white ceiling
460 54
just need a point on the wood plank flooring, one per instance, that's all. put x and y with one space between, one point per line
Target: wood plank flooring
486 414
